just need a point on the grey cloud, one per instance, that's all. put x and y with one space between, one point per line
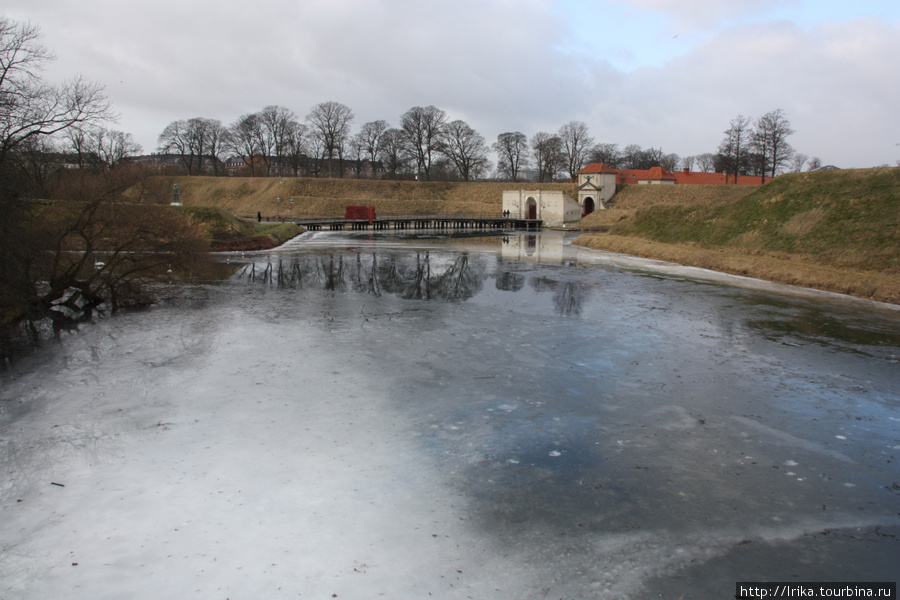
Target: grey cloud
499 65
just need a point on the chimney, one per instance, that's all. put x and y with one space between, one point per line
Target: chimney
686 171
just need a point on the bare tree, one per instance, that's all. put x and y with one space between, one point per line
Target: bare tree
769 141
277 124
392 152
179 137
33 168
546 149
30 107
98 250
733 149
424 131
102 148
79 141
467 149
31 111
316 152
669 162
814 164
512 151
797 161
295 146
370 134
197 141
706 162
330 123
245 140
217 142
687 162
633 157
575 146
118 146
608 154
89 248
356 148
653 157
81 249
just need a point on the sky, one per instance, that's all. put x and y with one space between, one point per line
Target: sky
657 73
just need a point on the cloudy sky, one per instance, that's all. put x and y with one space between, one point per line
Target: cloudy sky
661 73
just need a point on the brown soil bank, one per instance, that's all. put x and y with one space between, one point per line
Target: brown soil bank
247 196
837 231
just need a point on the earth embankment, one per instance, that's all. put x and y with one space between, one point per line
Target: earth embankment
837 231
249 196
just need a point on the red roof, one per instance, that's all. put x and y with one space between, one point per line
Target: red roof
659 174
597 168
651 174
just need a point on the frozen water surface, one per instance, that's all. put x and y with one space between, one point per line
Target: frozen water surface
360 416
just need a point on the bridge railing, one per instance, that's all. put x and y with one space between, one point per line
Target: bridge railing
381 216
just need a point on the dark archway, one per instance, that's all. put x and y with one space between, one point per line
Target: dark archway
531 208
588 207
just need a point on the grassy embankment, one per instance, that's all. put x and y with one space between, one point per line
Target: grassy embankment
225 208
219 228
214 202
226 232
837 231
245 197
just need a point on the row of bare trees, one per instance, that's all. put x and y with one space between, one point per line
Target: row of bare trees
759 147
426 145
551 155
275 141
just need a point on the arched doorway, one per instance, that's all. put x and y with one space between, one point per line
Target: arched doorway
531 208
588 207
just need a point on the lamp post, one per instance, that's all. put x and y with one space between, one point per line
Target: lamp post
175 201
277 208
292 210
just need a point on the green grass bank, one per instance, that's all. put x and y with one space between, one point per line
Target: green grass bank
832 230
226 232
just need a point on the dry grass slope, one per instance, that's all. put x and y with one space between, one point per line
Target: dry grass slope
837 231
328 197
634 199
833 230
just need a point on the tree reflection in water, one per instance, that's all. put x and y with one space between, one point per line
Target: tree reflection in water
510 282
415 275
568 298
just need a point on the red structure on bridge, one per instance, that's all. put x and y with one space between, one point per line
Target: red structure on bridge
360 213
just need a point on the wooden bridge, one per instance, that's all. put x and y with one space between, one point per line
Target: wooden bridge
454 223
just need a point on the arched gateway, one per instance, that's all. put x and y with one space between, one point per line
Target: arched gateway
588 206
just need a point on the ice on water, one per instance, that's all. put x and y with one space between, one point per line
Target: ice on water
394 424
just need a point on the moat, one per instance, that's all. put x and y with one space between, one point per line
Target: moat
359 414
